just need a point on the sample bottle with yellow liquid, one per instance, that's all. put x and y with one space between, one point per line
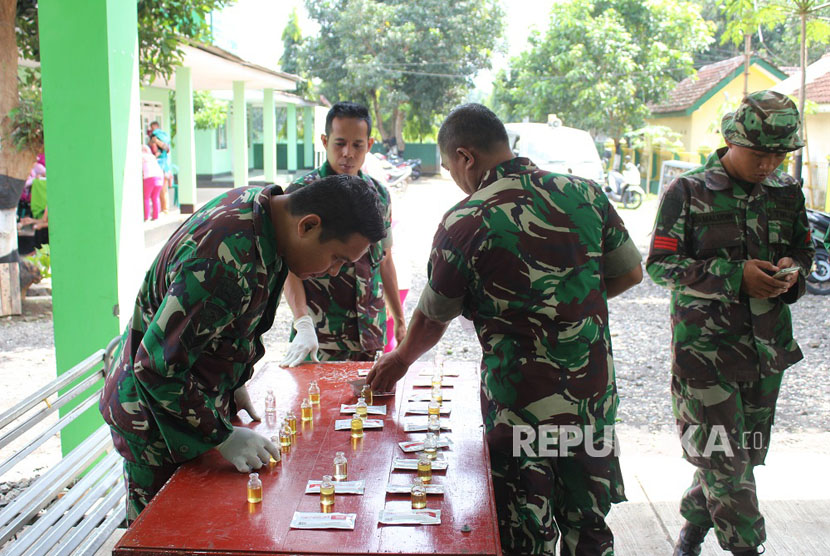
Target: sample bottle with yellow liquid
366 394
357 426
292 421
431 446
314 393
285 436
437 395
434 425
424 468
433 409
254 488
361 409
419 494
273 461
305 410
341 467
327 491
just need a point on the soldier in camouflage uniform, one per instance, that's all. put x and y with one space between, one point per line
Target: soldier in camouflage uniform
344 315
722 230
179 373
531 258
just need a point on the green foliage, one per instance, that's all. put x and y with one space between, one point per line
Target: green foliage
42 260
600 64
396 54
208 112
656 137
291 60
26 120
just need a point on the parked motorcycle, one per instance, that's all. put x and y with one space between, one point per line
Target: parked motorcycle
818 281
625 187
379 168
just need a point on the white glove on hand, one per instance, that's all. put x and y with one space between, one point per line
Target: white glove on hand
305 342
247 450
243 401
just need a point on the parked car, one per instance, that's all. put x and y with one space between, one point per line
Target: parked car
557 148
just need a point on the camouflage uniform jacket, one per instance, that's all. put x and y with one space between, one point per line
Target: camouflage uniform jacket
348 310
524 258
195 333
707 227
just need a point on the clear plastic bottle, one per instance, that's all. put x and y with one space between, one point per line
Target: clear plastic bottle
434 426
366 394
419 494
341 467
327 491
270 402
292 421
254 488
431 446
357 427
275 440
424 468
361 409
314 393
305 409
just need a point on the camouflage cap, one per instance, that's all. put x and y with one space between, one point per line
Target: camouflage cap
765 121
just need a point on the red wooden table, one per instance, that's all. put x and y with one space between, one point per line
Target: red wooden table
203 508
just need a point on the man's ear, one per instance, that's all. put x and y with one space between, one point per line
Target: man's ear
307 225
325 139
370 143
467 156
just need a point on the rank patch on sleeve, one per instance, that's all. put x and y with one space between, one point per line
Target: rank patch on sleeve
665 243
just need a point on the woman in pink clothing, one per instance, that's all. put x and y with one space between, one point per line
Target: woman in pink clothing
153 182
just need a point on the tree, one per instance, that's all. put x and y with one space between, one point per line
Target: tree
161 26
599 64
407 61
290 61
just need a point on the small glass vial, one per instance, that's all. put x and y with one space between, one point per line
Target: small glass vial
327 491
305 409
357 427
285 435
314 393
366 394
273 461
270 402
424 468
433 408
341 467
254 488
437 378
419 494
292 421
437 395
434 426
361 409
431 446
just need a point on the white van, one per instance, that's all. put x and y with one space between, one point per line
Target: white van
556 148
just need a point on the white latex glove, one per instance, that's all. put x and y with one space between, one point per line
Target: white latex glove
243 401
247 450
305 342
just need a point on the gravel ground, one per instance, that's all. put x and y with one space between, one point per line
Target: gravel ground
639 324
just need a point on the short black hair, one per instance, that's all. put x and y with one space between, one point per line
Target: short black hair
471 125
349 110
345 204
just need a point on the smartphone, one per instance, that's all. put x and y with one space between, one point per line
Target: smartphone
784 272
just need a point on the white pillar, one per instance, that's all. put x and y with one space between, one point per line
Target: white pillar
239 140
269 137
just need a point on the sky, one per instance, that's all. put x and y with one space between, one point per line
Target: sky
252 29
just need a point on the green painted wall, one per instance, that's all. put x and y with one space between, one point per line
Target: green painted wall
282 157
91 121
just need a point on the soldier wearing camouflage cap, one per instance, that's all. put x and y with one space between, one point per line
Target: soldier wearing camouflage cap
531 257
723 234
179 372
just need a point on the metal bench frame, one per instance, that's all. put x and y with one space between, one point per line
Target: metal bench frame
78 519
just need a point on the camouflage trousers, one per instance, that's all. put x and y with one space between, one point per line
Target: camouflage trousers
143 483
725 432
539 498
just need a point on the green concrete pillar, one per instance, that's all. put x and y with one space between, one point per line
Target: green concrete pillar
291 126
89 64
308 137
239 139
269 136
185 146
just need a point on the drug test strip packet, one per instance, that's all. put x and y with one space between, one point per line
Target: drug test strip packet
426 396
418 445
346 424
422 382
429 372
422 408
410 517
420 425
340 487
411 464
319 520
371 409
406 489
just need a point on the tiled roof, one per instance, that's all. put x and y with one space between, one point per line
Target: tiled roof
818 82
688 91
